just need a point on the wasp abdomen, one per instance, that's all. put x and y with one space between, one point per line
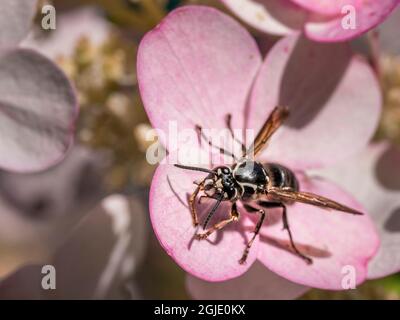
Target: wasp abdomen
281 177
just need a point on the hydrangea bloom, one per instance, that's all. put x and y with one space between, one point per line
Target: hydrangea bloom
373 175
321 20
199 65
37 103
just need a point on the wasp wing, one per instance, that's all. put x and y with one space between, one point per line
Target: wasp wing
310 198
274 121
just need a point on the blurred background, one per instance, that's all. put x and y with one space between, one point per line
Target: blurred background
106 248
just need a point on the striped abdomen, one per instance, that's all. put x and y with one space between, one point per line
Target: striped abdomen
280 176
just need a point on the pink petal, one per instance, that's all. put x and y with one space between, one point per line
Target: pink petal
368 15
16 19
38 109
215 259
258 283
327 7
373 177
277 17
334 98
194 68
332 239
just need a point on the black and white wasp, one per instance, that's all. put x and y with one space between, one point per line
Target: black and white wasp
270 185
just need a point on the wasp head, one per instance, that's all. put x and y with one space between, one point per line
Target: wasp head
220 184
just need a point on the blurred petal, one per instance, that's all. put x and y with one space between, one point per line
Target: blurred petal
23 284
333 96
97 260
214 259
37 211
327 7
194 68
321 19
389 33
16 19
277 17
367 16
332 239
71 27
129 226
258 283
38 109
373 176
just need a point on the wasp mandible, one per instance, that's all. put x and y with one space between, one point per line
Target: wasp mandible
270 185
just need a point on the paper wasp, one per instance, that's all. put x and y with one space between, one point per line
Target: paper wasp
270 185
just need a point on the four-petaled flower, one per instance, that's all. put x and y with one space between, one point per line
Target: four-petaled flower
199 65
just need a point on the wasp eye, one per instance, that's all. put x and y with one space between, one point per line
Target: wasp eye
208 184
225 171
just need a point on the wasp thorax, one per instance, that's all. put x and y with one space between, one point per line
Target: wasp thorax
251 176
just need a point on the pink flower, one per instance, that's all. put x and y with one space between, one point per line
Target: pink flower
321 20
373 176
38 106
199 65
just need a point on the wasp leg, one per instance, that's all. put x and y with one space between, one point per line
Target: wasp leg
286 227
234 217
199 130
308 260
228 121
256 231
192 206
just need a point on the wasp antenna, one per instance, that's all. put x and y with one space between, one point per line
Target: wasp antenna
193 168
355 212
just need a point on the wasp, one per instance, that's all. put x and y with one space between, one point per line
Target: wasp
269 185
